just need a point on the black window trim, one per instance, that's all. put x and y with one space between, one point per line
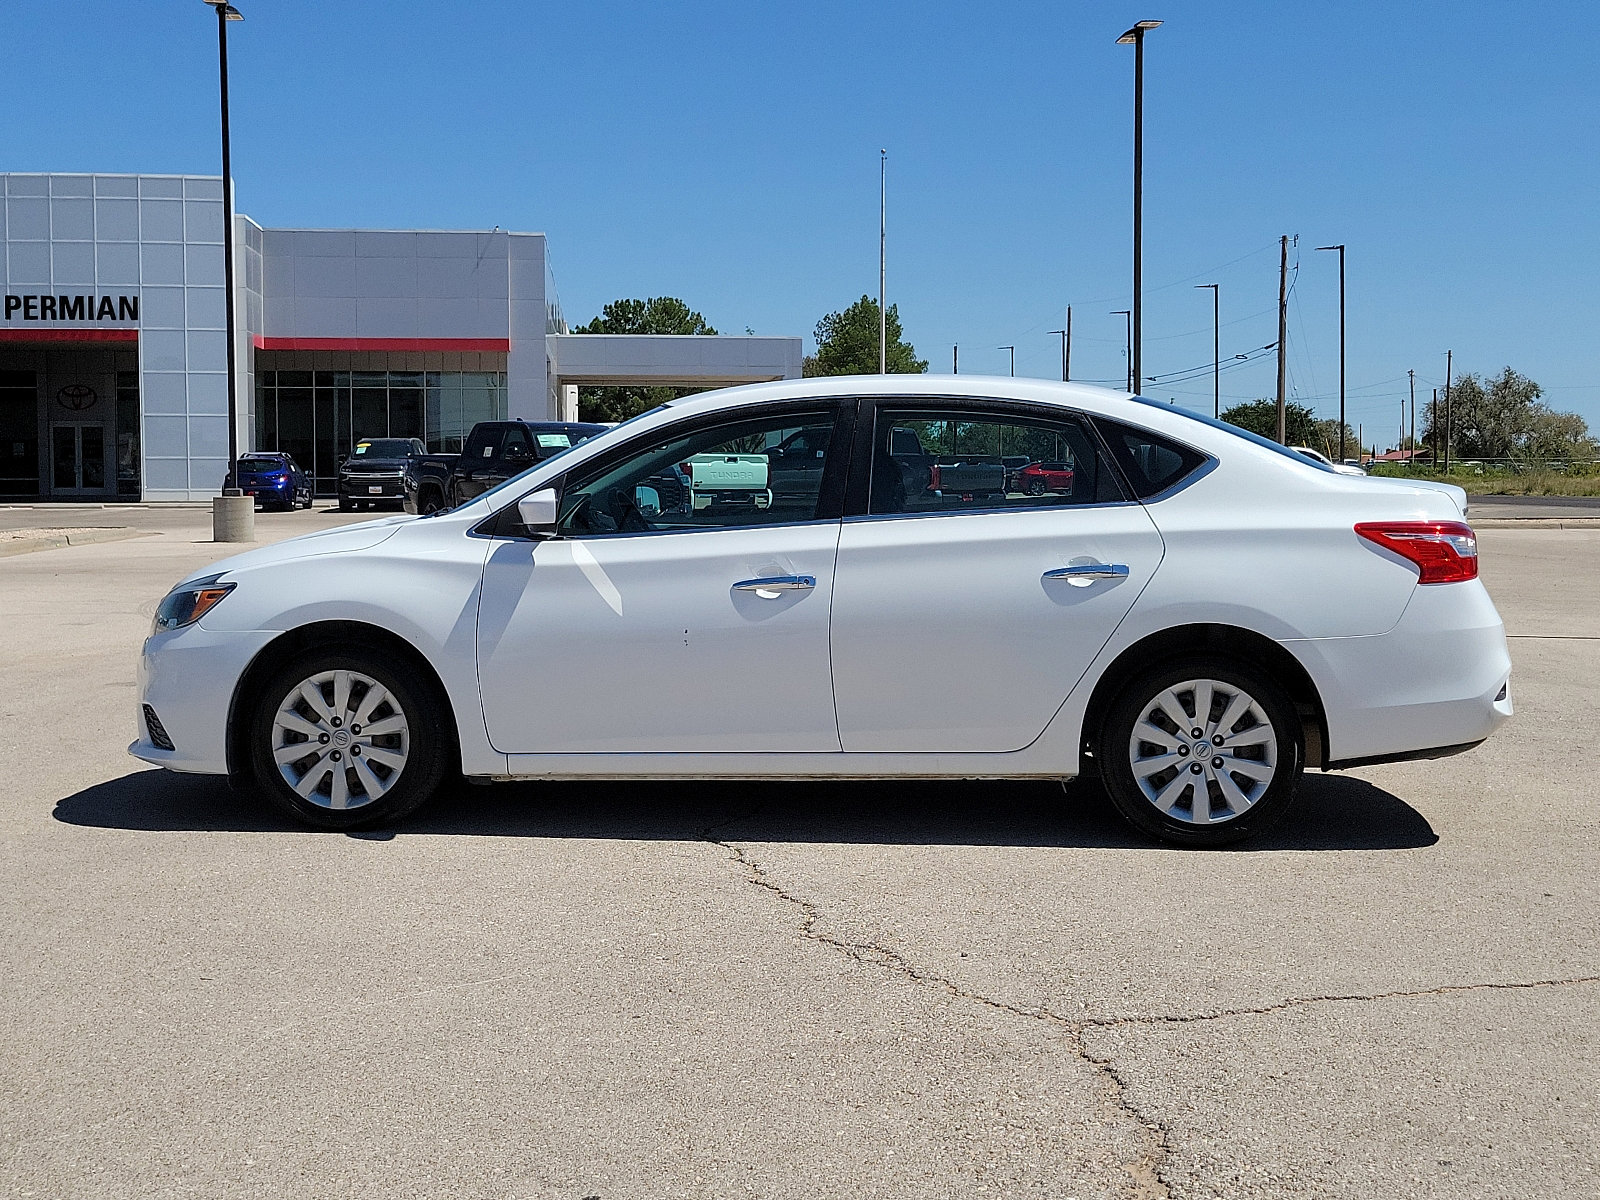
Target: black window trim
506 522
858 508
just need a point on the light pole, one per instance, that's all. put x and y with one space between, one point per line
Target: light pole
1013 350
883 229
1340 249
1128 352
1216 347
230 527
1135 38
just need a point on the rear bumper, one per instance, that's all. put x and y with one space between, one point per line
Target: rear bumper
1436 684
268 491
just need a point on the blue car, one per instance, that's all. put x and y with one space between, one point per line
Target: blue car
274 480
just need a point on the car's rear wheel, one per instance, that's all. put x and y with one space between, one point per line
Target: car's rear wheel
347 738
1202 752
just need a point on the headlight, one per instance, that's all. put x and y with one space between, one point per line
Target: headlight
188 602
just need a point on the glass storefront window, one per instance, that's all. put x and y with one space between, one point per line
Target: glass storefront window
317 416
128 433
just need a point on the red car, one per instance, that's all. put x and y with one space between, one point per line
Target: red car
1038 478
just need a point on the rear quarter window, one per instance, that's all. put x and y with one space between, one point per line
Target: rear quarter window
1152 463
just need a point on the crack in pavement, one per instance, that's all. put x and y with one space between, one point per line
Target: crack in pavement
1448 989
1146 1171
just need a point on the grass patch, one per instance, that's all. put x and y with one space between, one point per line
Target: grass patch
1578 479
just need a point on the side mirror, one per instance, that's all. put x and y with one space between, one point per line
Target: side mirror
516 454
538 511
647 500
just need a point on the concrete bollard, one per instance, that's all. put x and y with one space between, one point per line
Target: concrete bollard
233 518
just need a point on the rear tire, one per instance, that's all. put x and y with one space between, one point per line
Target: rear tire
349 738
1203 752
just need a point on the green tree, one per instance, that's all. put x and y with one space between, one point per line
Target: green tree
1504 417
1328 439
847 343
659 314
1300 423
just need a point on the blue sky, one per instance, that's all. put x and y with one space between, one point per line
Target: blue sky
728 154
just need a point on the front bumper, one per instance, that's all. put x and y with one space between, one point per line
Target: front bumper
188 678
371 487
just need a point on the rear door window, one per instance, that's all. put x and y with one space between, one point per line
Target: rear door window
952 459
483 443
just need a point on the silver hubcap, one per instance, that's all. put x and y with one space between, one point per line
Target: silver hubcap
340 739
1203 751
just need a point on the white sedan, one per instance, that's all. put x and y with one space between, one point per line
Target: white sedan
1190 612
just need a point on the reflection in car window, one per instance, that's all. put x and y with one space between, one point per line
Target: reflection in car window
949 460
765 471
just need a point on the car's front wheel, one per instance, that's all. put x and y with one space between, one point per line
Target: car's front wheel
345 738
1203 752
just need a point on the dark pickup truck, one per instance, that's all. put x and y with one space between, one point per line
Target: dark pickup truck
494 452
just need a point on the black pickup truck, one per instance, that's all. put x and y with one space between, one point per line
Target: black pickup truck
494 452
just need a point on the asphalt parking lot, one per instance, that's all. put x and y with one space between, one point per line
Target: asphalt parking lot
696 990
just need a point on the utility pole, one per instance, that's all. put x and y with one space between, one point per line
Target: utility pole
1411 459
1135 38
955 360
1216 348
1283 335
1066 352
1448 362
1433 426
1013 350
1127 353
1340 249
883 228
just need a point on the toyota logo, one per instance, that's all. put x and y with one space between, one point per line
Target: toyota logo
76 397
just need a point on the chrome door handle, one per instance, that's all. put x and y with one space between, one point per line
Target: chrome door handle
778 583
1089 571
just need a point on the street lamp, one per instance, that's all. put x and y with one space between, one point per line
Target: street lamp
1216 347
1013 350
1340 249
225 13
1135 38
1128 313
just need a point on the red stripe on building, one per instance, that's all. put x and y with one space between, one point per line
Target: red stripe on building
69 335
476 345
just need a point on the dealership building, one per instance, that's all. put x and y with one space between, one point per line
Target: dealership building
114 356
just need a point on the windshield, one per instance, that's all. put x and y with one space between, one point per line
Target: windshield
1302 459
383 448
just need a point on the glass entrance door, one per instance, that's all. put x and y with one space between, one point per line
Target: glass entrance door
77 459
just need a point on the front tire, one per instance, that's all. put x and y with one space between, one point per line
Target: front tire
348 738
1204 752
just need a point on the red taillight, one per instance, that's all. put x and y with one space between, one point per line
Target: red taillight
1444 551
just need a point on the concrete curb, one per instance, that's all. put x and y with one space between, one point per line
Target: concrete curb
55 539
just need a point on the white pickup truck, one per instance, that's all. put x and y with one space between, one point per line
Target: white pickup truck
726 481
